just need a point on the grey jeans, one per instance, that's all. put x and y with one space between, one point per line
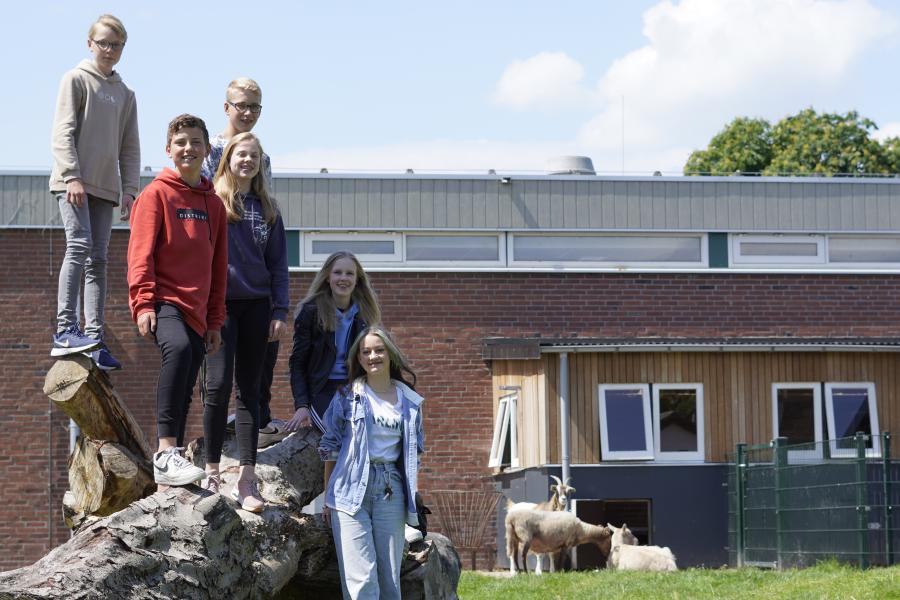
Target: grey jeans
87 240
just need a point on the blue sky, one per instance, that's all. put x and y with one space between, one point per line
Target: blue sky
467 86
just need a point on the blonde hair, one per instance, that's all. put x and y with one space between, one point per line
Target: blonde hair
113 23
243 83
227 185
399 363
363 295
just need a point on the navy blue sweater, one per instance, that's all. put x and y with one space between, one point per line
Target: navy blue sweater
257 259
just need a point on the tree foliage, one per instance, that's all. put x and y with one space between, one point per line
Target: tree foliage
807 143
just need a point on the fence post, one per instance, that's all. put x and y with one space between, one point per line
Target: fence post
886 486
740 466
780 483
861 497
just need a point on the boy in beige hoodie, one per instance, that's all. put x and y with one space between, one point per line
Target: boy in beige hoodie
96 161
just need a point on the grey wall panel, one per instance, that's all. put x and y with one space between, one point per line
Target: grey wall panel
330 201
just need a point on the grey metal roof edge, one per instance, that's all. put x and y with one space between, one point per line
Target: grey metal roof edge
531 176
775 344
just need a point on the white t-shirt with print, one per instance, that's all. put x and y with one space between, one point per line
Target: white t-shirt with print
386 432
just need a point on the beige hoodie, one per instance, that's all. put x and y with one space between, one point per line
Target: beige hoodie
95 134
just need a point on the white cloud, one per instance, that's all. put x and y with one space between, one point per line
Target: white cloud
549 80
708 61
888 130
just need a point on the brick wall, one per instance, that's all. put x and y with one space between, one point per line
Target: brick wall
439 320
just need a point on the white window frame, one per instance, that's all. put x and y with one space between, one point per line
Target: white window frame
857 264
607 454
703 263
875 450
309 258
737 258
700 453
505 423
501 250
816 387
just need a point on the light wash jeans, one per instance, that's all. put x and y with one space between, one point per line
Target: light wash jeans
370 543
87 240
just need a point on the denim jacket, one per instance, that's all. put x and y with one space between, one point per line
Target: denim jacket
346 442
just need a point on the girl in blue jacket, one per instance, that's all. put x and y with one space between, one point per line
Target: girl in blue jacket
371 450
256 305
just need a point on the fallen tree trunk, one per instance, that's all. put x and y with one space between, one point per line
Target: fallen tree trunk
85 394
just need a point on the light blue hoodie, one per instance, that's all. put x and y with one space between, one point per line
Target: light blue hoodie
346 442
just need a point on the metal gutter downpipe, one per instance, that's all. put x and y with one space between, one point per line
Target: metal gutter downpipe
564 413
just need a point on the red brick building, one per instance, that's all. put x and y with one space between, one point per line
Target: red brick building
486 281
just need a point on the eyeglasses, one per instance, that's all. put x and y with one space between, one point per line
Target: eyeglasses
107 46
244 107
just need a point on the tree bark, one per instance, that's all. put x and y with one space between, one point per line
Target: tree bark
85 394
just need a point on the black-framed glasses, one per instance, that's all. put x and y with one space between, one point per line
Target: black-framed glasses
107 46
244 107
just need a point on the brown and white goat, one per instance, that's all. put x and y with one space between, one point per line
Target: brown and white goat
553 533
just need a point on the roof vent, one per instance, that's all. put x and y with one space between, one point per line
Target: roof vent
571 165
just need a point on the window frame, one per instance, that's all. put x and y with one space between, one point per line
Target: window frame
702 263
505 424
816 386
736 258
696 455
501 250
309 258
623 455
875 450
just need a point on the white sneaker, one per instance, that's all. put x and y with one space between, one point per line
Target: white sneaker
171 468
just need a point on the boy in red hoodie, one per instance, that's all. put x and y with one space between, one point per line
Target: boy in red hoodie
177 274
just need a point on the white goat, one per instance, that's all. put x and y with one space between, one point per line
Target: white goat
545 532
559 500
625 556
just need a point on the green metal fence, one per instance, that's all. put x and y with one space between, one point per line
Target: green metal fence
794 505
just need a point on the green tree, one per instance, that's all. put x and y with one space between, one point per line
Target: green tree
743 147
807 143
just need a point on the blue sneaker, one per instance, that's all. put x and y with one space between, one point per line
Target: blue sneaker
72 341
103 359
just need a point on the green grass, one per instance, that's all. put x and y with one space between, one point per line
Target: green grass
826 581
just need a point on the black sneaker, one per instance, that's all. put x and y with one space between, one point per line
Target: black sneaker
272 433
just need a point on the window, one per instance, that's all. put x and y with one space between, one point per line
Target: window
608 250
625 432
865 250
778 249
468 249
797 415
373 247
678 426
851 407
504 447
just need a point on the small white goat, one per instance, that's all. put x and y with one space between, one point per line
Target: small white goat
559 500
624 555
545 532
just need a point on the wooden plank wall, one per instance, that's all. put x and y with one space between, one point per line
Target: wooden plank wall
531 407
737 390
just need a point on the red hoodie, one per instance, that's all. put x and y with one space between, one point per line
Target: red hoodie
178 251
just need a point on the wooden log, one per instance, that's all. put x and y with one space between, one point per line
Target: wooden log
105 477
85 394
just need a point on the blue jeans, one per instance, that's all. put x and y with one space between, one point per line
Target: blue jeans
87 240
370 543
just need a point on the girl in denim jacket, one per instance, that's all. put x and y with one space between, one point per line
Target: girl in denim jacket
371 450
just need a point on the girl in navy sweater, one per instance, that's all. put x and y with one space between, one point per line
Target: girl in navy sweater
256 303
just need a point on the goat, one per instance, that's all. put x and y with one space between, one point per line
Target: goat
559 500
545 532
624 555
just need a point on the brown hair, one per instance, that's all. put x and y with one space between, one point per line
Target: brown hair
363 295
399 363
183 121
227 185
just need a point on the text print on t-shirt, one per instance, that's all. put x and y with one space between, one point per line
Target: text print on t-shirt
191 213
